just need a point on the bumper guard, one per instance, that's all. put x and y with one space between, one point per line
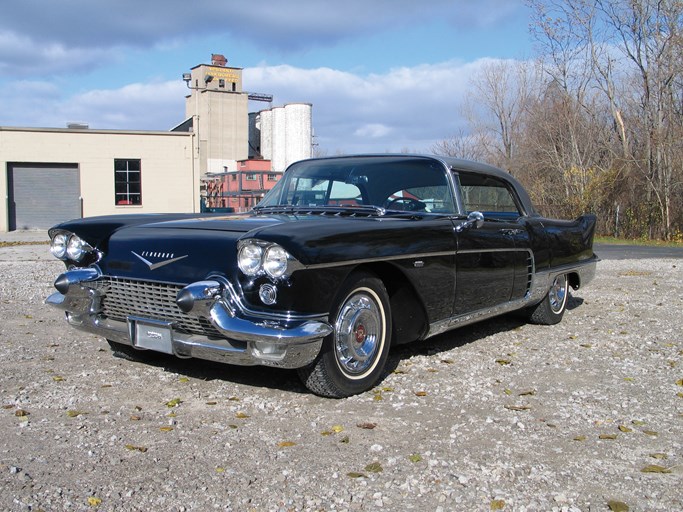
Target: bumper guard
291 342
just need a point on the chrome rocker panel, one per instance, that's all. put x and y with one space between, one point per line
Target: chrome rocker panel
291 342
540 285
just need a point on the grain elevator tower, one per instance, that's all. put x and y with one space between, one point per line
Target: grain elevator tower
217 110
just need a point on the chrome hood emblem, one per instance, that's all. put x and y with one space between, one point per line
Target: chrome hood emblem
168 258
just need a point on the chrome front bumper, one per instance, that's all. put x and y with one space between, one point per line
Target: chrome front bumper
245 339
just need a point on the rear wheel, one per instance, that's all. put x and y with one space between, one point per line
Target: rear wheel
551 309
354 355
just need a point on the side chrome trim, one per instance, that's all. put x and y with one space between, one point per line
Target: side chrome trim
460 321
419 256
344 263
540 285
501 249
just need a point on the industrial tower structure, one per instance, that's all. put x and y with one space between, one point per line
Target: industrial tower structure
217 111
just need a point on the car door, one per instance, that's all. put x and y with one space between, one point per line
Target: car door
493 261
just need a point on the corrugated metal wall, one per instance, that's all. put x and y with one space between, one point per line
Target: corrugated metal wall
41 195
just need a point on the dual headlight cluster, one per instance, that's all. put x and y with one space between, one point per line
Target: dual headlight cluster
67 246
256 258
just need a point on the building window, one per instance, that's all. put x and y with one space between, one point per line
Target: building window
127 182
272 177
251 176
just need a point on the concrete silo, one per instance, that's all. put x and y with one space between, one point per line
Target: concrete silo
286 134
266 122
298 131
279 158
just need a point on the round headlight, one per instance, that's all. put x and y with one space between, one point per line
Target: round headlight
275 261
58 245
76 248
249 259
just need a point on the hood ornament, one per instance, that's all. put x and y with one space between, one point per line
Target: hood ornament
168 258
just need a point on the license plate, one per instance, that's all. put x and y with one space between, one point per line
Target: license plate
152 335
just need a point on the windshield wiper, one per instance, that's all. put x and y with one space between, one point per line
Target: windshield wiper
349 210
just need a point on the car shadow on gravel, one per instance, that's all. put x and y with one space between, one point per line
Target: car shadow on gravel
454 339
287 380
464 336
255 376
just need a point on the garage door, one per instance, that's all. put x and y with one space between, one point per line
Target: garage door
41 195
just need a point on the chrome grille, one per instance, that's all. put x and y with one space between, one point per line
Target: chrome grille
157 301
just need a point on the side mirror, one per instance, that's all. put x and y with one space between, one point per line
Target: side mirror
475 220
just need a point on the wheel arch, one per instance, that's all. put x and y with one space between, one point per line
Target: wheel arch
409 318
574 280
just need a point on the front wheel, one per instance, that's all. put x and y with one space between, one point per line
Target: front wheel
551 309
354 355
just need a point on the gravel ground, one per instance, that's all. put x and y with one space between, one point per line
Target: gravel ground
585 415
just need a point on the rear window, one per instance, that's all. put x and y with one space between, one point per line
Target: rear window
489 195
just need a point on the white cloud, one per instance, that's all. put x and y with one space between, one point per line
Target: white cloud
20 54
373 131
37 35
403 109
61 46
152 106
282 23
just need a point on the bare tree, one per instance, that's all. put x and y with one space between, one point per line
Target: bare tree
597 122
497 104
631 52
463 145
648 33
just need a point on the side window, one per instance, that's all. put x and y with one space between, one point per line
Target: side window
488 195
127 182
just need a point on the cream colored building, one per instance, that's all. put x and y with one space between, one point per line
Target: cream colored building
49 175
54 175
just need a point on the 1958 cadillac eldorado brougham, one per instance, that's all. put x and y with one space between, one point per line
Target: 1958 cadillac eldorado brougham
344 258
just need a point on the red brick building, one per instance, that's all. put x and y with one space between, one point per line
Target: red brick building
243 188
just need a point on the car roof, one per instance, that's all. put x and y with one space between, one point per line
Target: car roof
456 165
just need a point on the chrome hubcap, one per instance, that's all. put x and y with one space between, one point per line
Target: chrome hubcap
358 333
558 294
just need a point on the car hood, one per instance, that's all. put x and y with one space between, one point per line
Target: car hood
183 249
239 223
180 250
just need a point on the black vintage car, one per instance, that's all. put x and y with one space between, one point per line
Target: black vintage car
344 258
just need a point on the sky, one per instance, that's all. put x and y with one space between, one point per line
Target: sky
382 75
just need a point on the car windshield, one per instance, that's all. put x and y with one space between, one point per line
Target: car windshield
387 183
